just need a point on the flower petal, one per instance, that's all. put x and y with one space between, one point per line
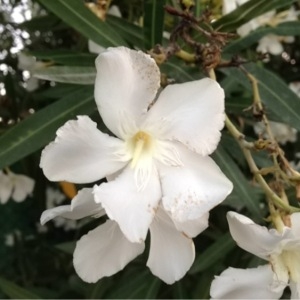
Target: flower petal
131 208
81 153
295 227
171 252
82 205
192 190
194 227
23 187
6 187
104 251
254 238
295 290
126 83
253 283
192 113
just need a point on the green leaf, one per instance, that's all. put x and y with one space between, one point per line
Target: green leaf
78 16
143 286
247 12
66 57
39 129
66 74
176 69
274 92
245 194
283 29
153 22
14 291
67 247
133 34
218 250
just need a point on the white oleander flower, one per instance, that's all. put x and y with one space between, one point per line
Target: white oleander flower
280 249
105 250
283 133
15 186
159 155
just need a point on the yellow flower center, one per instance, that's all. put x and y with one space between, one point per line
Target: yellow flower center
142 143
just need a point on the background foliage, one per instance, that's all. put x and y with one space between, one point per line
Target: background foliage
38 264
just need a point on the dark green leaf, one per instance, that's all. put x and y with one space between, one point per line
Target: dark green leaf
66 57
133 34
14 291
247 12
274 92
153 22
78 16
39 129
218 250
66 74
245 194
283 29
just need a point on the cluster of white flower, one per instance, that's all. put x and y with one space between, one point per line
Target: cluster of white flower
160 176
270 43
280 249
14 186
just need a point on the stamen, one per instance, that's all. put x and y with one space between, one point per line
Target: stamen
141 143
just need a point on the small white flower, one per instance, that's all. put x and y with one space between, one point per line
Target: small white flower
283 133
105 250
282 250
160 153
269 43
15 186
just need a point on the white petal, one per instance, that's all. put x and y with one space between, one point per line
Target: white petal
81 153
82 205
95 48
6 188
23 187
254 238
131 208
171 252
253 283
126 83
295 220
192 190
104 251
194 227
295 290
192 113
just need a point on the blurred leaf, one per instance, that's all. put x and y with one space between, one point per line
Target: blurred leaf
39 129
153 22
66 57
132 33
274 92
14 291
283 29
180 291
78 16
141 286
67 247
43 23
178 70
247 12
218 250
245 193
77 75
56 91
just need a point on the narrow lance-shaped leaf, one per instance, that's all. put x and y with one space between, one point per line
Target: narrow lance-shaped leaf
274 92
153 22
245 194
67 74
14 291
78 16
39 129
